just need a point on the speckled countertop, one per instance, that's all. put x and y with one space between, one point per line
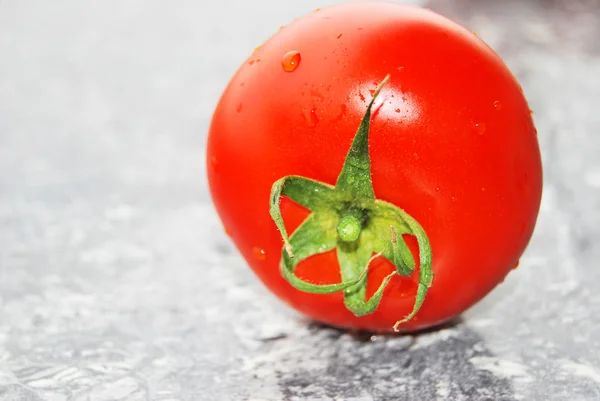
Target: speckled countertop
108 237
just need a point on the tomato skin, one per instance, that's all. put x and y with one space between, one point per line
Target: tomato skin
452 143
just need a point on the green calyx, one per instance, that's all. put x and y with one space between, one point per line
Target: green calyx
348 218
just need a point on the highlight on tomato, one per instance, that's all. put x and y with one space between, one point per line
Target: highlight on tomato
377 166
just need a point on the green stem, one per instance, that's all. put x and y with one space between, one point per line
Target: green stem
350 226
351 220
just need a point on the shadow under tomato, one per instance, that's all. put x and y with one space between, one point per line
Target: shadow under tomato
432 364
366 336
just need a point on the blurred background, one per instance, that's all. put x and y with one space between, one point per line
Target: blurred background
118 283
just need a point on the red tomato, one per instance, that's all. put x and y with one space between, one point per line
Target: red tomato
451 142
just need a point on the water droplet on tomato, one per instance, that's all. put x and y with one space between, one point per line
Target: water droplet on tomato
479 128
362 97
259 253
339 36
238 108
498 105
251 62
291 60
258 60
311 117
397 110
400 69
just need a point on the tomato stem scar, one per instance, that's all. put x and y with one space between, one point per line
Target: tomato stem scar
346 217
349 228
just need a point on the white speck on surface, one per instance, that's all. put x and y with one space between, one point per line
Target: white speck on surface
481 322
592 177
442 390
120 212
502 368
428 339
581 370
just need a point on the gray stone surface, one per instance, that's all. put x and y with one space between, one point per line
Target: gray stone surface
117 283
